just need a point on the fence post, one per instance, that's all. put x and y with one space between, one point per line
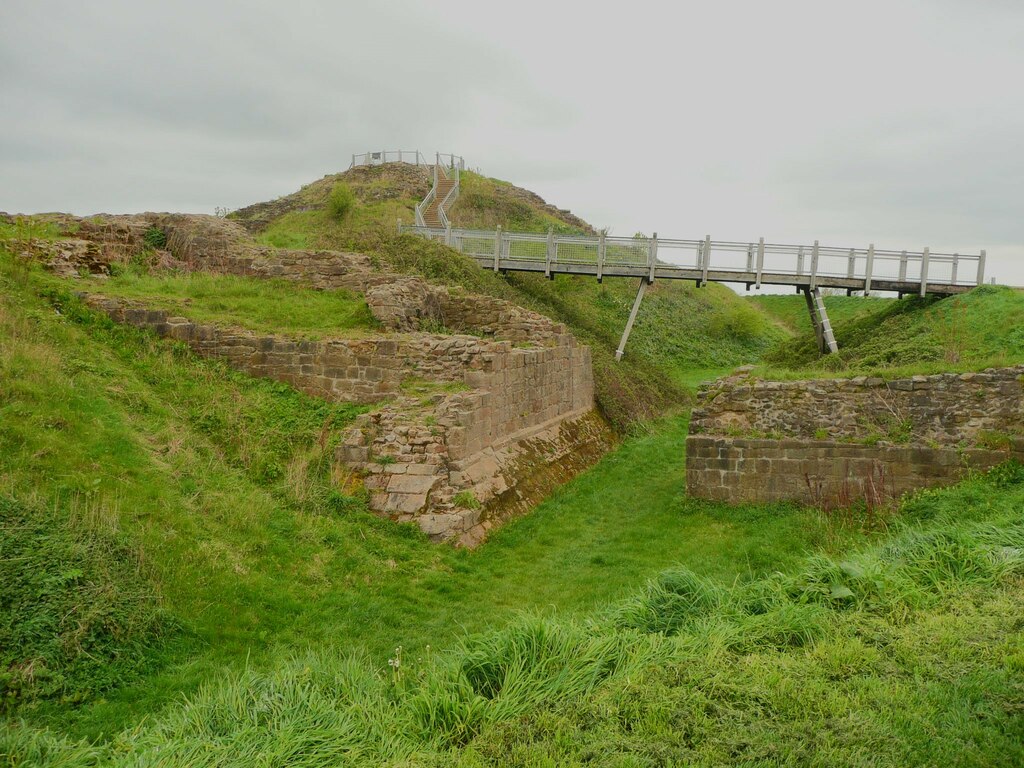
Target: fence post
851 264
497 247
750 258
353 161
956 263
600 256
448 234
760 262
869 265
799 261
551 254
814 266
903 266
705 260
981 268
652 256
924 272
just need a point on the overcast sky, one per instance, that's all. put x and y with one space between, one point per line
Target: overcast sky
899 123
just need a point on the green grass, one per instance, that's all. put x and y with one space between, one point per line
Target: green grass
21 228
889 338
221 486
270 306
904 652
486 203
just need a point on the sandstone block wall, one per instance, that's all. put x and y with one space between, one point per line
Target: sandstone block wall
809 441
364 370
946 408
740 470
524 422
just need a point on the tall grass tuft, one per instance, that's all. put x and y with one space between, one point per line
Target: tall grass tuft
341 201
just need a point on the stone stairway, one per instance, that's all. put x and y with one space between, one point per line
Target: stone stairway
432 213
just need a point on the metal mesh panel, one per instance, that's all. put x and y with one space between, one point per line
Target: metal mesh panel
477 244
680 254
626 252
575 250
526 247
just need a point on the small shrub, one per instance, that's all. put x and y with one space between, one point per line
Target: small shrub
466 499
155 238
341 201
994 441
740 322
1006 474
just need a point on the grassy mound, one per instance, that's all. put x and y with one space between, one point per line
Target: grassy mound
977 330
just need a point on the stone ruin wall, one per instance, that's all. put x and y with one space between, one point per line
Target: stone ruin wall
829 441
524 423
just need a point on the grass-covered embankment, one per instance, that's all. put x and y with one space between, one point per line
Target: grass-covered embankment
214 493
888 337
906 652
268 306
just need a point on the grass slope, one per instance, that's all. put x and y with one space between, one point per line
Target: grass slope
977 330
906 652
219 486
270 306
682 335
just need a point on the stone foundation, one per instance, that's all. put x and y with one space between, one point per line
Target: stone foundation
836 441
823 472
944 408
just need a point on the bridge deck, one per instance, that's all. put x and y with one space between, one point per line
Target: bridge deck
807 268
671 272
754 264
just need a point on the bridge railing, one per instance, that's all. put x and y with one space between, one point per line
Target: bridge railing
745 260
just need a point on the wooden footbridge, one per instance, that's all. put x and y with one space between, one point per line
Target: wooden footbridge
808 268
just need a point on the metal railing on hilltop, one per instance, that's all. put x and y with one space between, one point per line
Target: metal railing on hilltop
413 156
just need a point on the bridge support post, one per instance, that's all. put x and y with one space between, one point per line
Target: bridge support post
819 319
632 318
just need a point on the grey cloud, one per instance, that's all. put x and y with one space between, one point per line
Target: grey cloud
892 121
